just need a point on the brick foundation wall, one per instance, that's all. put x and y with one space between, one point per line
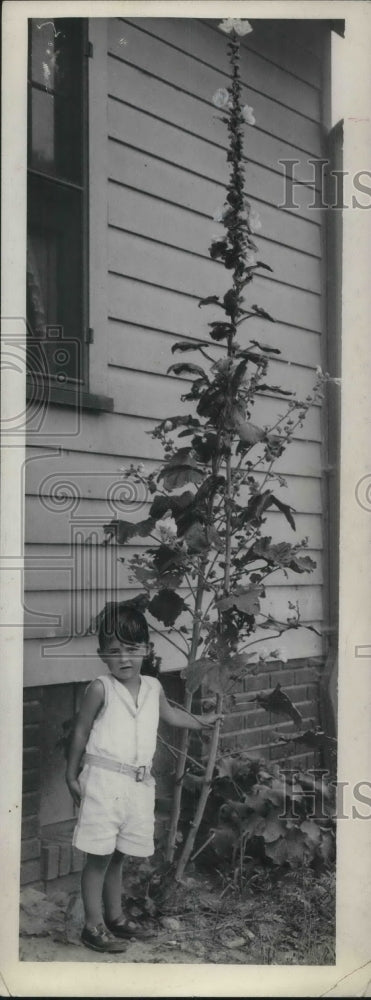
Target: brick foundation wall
31 786
249 727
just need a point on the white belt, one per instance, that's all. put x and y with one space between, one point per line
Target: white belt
141 773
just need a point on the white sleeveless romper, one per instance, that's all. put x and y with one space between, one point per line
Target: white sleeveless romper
117 811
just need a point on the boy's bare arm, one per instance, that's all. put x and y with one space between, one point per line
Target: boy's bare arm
93 701
183 720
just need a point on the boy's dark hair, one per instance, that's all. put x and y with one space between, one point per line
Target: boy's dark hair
123 622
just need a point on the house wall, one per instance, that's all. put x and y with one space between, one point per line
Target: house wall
157 174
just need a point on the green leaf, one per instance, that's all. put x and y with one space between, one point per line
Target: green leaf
254 825
183 368
218 678
295 845
266 347
218 249
245 599
274 388
273 828
196 538
231 301
210 300
286 510
168 564
196 671
122 531
262 313
211 402
186 345
227 767
224 841
302 564
177 505
311 831
166 606
206 446
327 847
281 554
277 851
179 421
315 739
180 469
219 331
279 703
247 432
260 263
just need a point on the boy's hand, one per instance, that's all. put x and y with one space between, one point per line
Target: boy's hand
74 789
211 718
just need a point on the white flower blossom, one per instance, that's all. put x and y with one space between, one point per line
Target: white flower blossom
280 654
220 214
250 258
221 98
326 377
140 468
168 426
254 221
237 24
248 115
166 528
263 653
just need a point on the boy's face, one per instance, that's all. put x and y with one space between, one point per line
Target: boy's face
124 660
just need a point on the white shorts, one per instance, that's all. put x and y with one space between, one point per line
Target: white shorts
116 812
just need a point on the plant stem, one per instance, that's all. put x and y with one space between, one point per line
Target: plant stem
182 759
188 847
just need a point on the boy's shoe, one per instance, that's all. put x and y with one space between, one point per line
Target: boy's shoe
124 928
99 939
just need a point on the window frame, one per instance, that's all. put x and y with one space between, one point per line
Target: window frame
76 394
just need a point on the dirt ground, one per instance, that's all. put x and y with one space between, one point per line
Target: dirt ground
204 920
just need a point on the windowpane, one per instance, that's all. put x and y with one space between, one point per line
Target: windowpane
56 98
56 253
55 269
56 54
42 131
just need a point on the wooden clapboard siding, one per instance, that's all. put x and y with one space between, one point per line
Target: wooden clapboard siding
203 40
119 435
190 109
133 127
134 169
103 479
168 268
60 612
147 349
136 212
55 569
163 174
208 46
44 525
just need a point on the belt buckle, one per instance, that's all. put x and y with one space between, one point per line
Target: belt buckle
140 773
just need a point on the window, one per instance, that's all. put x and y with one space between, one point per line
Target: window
57 201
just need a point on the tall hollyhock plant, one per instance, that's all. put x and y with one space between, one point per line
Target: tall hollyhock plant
204 574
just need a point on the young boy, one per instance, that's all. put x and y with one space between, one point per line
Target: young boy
116 730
